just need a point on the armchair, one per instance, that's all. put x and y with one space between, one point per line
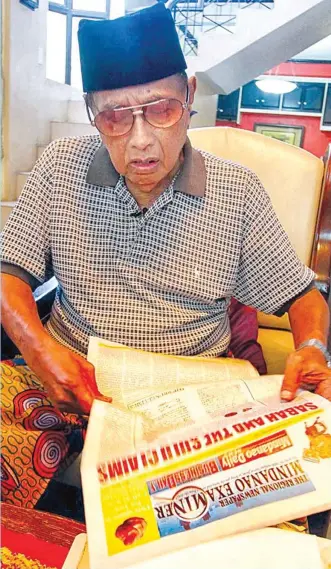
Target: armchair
299 185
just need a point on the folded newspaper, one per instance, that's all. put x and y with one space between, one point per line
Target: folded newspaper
192 449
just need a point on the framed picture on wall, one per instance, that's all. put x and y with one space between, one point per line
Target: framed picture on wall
283 132
32 4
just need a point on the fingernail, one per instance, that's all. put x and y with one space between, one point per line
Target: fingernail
286 395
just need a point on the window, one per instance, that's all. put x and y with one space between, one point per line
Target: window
56 46
62 45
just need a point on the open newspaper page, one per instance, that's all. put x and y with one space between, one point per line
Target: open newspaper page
172 391
151 486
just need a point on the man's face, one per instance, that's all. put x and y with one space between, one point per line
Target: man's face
146 154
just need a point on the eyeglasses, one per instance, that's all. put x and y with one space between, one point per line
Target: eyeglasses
160 114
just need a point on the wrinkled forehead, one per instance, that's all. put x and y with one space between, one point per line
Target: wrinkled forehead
170 87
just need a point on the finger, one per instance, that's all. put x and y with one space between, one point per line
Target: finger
90 379
76 402
85 401
291 377
313 372
324 389
313 375
96 394
308 386
61 398
80 399
88 375
104 398
87 396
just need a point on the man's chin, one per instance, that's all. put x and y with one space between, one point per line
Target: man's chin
145 179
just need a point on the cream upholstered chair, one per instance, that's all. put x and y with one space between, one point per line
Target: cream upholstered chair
294 180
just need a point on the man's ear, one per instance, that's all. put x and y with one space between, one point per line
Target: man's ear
192 87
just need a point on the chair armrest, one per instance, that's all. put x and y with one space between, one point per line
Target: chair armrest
329 341
321 256
44 297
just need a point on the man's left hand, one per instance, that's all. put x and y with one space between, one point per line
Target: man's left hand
307 369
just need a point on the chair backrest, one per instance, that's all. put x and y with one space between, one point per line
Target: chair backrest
292 176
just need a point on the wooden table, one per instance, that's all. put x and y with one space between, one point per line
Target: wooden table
55 533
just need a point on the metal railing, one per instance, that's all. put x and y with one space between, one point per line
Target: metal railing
194 17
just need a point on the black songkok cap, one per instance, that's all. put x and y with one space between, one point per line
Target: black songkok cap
131 50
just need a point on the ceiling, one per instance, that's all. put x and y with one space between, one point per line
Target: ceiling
319 51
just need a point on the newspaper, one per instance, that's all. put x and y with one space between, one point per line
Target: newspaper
171 391
184 456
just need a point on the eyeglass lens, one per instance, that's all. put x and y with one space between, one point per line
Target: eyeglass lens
162 114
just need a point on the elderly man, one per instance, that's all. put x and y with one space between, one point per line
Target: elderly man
148 238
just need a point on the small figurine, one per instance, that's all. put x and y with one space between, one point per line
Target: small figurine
319 441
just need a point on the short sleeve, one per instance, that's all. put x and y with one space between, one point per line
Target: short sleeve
25 240
269 273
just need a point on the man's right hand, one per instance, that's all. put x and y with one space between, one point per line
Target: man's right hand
68 378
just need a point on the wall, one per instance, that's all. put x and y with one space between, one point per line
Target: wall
205 106
314 140
295 69
4 73
30 100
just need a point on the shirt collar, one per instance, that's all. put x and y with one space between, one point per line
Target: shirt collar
191 179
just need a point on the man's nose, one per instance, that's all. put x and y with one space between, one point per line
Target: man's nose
141 133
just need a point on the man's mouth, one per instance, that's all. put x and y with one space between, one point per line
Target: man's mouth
144 165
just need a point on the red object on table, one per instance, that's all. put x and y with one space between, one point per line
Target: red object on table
38 535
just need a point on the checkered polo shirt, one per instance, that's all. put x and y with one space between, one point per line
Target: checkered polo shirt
161 281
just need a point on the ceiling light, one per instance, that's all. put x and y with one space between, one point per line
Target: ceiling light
277 86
